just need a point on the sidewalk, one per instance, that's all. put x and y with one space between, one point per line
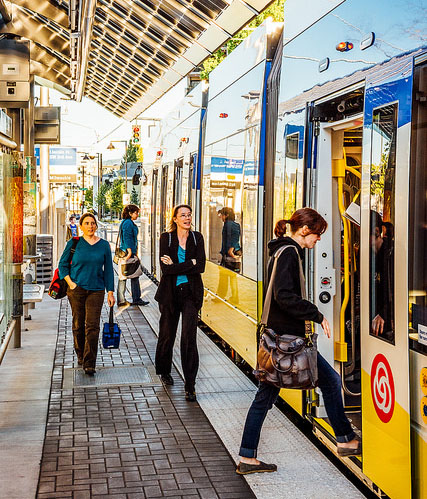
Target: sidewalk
25 376
122 434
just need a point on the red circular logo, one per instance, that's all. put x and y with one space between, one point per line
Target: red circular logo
382 388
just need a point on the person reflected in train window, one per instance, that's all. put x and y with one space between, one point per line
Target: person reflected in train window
382 244
288 313
231 251
180 293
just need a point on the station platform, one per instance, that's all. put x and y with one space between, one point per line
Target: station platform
123 434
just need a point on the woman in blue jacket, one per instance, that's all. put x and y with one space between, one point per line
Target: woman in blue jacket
129 244
88 276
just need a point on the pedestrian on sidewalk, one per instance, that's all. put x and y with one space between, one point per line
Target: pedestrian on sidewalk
287 315
182 261
88 276
128 231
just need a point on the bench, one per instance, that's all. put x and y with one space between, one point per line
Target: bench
33 293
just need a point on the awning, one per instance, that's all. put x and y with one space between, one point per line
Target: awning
123 54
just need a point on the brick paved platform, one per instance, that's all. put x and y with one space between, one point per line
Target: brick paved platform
129 441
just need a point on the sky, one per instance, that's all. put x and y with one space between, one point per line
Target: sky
90 128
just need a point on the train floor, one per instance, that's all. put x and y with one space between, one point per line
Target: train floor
122 434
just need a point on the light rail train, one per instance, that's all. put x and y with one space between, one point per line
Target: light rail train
329 112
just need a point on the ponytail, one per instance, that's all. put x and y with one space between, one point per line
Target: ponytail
280 228
305 216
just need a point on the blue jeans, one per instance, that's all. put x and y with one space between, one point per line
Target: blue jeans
135 287
330 384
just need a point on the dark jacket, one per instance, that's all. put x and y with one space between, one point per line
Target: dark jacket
166 291
288 311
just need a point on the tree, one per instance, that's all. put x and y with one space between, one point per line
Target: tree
115 194
131 153
89 197
103 205
134 198
275 11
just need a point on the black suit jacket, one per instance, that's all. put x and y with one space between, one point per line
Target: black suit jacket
195 249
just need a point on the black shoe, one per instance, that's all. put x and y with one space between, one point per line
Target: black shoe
79 362
247 469
166 379
90 371
142 303
190 396
350 451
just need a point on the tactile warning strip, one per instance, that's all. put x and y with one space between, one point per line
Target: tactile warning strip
107 376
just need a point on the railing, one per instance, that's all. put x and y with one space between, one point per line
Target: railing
8 335
108 231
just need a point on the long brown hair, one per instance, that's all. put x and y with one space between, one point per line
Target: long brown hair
172 223
305 216
128 209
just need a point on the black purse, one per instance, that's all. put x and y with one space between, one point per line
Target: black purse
286 361
118 253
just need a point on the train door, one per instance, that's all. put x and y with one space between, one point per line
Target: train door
177 182
163 198
192 179
154 221
384 279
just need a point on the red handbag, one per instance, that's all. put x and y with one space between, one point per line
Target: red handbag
58 287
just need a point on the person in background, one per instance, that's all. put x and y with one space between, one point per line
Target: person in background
287 315
88 276
72 230
129 244
182 261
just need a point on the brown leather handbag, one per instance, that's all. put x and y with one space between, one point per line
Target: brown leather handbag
286 361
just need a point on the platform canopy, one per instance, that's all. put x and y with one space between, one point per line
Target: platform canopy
123 54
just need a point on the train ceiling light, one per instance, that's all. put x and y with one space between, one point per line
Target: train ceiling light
344 46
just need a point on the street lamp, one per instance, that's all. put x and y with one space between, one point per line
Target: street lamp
111 147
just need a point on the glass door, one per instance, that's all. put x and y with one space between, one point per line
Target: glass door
384 277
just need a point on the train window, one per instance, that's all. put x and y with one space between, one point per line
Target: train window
382 193
230 193
289 175
294 176
418 216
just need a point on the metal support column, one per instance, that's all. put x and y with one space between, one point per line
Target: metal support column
44 173
30 185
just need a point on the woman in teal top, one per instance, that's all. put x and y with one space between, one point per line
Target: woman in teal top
88 276
129 244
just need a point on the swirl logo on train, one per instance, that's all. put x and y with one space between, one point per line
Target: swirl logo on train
382 388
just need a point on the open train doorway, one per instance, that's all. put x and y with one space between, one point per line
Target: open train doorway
335 186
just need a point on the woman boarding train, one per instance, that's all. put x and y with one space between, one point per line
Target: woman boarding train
288 313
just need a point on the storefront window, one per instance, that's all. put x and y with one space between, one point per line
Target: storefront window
382 215
418 216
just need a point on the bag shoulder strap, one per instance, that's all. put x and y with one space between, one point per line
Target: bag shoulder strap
269 294
191 232
73 248
119 235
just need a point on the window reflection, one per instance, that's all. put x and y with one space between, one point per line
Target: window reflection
230 193
383 169
418 216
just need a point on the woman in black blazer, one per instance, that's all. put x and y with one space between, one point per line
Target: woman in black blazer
182 260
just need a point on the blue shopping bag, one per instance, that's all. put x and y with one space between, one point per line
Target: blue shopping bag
111 333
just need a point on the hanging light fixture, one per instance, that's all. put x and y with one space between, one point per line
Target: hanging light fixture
110 147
